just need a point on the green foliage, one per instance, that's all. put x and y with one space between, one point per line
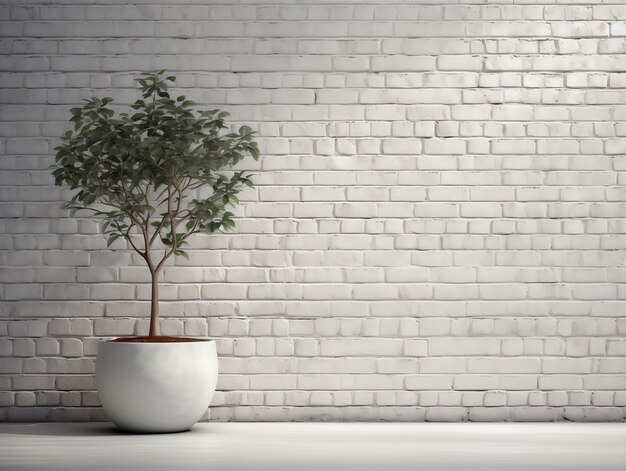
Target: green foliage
139 169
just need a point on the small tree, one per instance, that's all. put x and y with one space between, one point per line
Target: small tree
138 170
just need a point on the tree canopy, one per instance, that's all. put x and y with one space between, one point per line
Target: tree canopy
139 169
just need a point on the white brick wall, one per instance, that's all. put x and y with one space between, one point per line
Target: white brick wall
438 227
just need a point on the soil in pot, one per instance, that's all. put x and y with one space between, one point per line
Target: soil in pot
158 339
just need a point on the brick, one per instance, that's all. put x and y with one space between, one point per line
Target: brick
71 348
401 146
306 347
415 348
428 382
23 348
443 147
485 346
403 63
381 347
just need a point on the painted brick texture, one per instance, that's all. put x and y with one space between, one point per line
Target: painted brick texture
437 230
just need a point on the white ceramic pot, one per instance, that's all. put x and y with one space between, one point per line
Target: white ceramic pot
156 387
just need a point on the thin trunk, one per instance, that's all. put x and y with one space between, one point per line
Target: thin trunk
155 328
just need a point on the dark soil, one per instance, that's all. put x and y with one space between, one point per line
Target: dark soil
158 339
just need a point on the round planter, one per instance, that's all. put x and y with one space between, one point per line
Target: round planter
155 387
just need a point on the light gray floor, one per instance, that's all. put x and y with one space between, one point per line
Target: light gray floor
317 446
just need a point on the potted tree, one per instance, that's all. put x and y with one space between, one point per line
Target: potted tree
154 175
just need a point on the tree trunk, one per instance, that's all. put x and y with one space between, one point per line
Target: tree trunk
155 328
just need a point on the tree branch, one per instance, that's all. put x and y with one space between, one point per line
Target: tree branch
173 226
167 215
189 232
136 219
129 239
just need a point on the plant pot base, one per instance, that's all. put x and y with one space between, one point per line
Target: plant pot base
156 387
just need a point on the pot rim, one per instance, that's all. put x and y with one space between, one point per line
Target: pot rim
134 342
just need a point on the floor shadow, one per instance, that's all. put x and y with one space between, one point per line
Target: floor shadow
74 429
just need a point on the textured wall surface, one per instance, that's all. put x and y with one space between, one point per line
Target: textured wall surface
438 227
